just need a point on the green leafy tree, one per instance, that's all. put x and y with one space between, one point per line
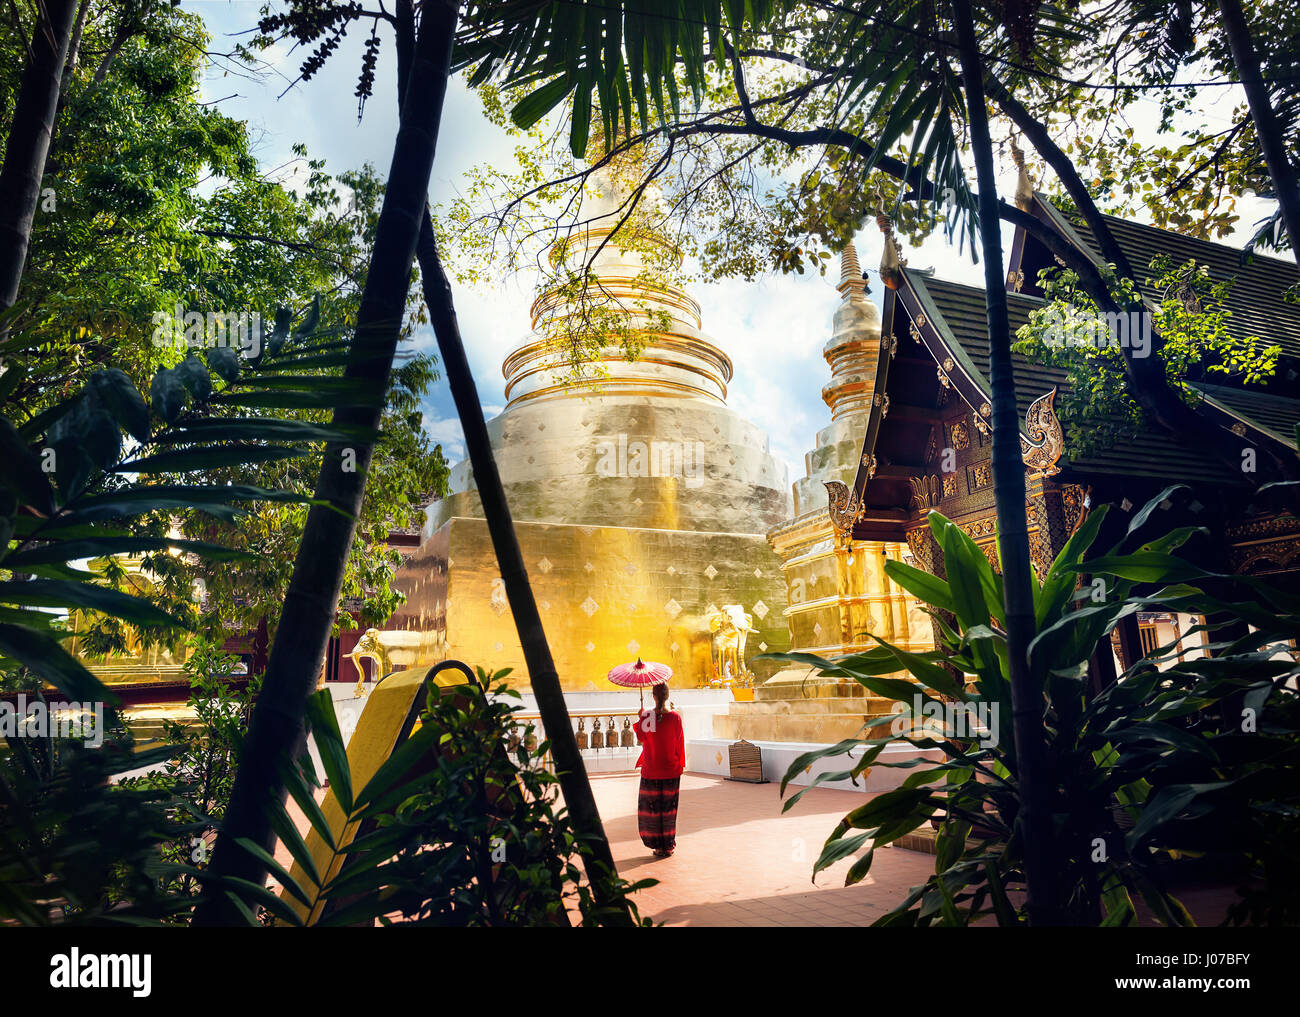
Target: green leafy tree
1099 409
156 203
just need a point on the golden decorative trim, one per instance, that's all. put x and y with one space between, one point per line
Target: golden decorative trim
1075 502
925 491
985 527
1046 440
1271 556
1267 526
959 435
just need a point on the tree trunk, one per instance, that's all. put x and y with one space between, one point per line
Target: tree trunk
1286 178
523 606
29 141
74 46
131 24
312 599
1034 819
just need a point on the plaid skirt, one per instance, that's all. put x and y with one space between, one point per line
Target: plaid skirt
656 813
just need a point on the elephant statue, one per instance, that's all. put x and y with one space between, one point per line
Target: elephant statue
730 626
368 646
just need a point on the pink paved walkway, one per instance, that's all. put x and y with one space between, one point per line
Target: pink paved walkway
739 861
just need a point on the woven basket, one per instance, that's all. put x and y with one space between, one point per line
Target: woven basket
746 762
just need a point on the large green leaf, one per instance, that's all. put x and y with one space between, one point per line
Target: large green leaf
1144 567
22 473
927 588
118 393
1061 578
330 745
42 654
63 593
72 550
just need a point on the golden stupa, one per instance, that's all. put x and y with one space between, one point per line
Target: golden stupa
839 594
641 504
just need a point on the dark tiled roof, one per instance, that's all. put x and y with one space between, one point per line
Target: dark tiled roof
1275 413
960 316
1255 298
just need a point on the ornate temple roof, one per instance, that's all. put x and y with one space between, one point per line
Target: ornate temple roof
1255 299
958 316
935 345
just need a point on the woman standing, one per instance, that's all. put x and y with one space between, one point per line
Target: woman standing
663 758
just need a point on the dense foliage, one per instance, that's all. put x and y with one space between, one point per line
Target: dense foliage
155 207
460 827
1099 407
1182 766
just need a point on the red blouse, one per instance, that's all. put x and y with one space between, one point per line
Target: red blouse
663 753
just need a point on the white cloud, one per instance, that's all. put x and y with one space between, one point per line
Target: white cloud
447 432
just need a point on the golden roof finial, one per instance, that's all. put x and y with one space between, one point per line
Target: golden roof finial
891 261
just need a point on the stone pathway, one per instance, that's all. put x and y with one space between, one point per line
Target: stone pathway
740 862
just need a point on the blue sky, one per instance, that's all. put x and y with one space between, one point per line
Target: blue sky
773 329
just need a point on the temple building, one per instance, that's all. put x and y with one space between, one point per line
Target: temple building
926 444
642 504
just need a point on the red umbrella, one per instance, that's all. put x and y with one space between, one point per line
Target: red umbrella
639 675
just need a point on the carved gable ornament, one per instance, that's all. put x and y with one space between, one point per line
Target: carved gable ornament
846 508
1046 440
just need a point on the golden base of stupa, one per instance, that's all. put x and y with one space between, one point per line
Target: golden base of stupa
607 595
798 706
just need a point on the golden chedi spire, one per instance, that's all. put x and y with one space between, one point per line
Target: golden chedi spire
854 342
613 293
851 352
892 262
